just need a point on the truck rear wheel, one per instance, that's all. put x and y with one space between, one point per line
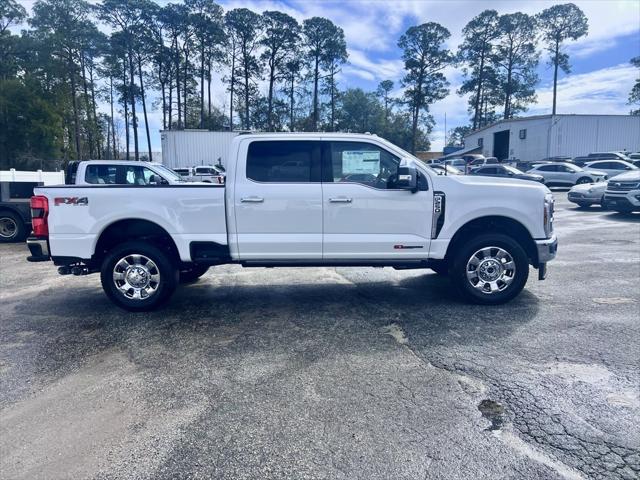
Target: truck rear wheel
490 269
138 276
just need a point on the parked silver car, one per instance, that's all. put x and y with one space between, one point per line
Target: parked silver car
587 194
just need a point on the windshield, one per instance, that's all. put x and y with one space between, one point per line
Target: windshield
513 170
169 174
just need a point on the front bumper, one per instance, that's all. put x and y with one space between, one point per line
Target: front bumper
547 249
39 248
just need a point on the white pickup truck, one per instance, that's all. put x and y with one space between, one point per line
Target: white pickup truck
294 200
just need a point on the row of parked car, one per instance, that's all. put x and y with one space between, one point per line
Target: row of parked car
557 171
609 179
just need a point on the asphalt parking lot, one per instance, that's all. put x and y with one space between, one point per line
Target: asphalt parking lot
329 373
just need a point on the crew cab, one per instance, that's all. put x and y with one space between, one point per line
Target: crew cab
300 200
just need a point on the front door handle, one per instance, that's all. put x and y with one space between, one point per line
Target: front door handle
340 200
252 200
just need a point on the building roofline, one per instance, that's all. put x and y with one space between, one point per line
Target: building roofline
539 117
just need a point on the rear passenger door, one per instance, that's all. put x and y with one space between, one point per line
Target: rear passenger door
277 200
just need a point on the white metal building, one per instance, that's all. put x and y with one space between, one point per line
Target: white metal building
538 137
190 148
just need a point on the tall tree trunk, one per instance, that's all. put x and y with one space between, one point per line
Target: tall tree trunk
315 94
233 80
291 103
134 119
114 153
476 106
170 111
185 86
76 126
333 103
246 96
144 108
163 87
87 106
507 100
126 108
209 88
555 76
179 105
270 98
202 61
99 147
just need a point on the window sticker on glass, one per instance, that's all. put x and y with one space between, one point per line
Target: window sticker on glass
360 161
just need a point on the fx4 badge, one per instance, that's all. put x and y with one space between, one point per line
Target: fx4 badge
82 201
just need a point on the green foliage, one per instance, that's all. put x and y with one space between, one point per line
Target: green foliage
29 128
424 58
558 24
516 60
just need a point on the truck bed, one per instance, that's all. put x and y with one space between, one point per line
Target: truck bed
79 214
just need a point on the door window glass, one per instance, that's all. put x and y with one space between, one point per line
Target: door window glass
280 161
364 163
101 174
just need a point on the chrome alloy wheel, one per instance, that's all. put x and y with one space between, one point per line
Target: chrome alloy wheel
136 277
491 270
8 227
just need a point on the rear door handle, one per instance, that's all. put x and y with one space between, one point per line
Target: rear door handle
340 200
252 200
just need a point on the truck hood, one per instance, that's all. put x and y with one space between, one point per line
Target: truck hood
632 176
492 182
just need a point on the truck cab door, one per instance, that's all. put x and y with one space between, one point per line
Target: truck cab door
277 200
366 217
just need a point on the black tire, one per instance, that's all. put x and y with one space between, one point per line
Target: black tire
164 288
193 273
12 228
440 267
583 180
458 272
583 205
624 211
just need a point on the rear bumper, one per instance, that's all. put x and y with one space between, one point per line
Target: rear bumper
39 248
547 249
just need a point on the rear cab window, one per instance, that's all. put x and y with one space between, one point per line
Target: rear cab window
283 161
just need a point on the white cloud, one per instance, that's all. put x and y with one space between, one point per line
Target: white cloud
601 91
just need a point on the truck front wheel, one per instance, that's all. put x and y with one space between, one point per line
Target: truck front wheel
490 269
138 276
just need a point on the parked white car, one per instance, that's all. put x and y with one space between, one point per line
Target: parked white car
587 194
565 174
366 203
209 173
611 167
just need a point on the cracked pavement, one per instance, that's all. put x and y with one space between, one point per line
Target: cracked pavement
329 373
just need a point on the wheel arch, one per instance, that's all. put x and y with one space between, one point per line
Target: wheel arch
495 224
125 230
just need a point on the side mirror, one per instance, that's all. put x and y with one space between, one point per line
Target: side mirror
157 180
407 179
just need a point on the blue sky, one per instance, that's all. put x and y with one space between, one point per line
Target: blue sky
600 80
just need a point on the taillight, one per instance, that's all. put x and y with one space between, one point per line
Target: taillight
39 214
